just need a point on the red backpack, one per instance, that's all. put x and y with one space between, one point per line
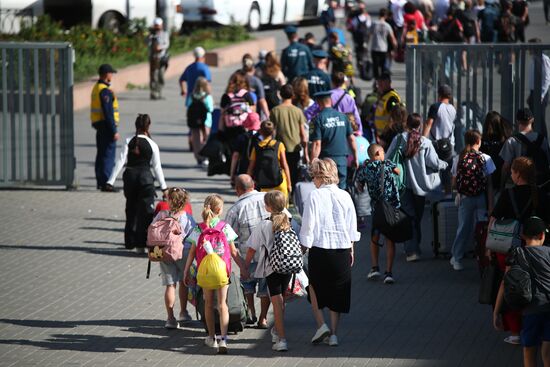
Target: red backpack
164 240
470 174
219 243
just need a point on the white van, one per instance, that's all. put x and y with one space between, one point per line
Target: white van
250 13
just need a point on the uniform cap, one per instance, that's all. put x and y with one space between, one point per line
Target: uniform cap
533 227
291 29
322 94
105 69
320 54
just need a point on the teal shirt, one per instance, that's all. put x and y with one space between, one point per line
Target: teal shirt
332 128
317 81
296 60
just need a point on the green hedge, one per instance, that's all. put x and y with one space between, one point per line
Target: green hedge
96 46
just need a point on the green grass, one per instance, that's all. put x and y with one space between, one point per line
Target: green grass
94 47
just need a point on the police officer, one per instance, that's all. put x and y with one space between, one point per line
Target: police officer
332 137
317 78
387 100
159 41
105 117
296 59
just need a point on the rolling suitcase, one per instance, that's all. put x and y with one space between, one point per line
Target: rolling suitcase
445 224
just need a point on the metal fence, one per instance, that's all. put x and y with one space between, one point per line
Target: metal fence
36 109
500 77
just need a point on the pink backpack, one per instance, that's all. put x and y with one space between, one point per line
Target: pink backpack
237 112
164 240
219 243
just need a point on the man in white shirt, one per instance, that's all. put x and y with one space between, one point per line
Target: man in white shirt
243 217
159 41
396 7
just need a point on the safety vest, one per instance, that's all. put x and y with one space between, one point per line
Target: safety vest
381 115
96 112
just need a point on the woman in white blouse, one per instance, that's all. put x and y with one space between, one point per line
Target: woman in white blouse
140 155
329 229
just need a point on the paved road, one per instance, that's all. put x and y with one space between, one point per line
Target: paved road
72 296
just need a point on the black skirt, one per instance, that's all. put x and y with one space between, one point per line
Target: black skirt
330 276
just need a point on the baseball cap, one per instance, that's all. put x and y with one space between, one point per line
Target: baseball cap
262 54
289 29
320 54
534 226
524 114
105 68
158 21
199 52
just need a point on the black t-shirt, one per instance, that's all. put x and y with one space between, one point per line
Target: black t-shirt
522 194
492 148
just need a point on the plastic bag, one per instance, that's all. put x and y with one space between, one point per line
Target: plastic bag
299 289
212 272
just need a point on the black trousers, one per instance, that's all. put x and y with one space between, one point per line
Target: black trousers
378 62
293 161
139 190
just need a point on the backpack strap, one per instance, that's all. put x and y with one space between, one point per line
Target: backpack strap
339 100
219 226
523 139
517 213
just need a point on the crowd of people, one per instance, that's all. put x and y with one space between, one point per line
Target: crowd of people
287 121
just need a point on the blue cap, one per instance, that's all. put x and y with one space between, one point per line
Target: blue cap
320 54
322 94
291 29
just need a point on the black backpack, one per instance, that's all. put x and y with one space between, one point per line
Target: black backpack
537 154
518 283
267 172
271 90
196 113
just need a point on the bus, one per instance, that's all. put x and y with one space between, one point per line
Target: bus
251 13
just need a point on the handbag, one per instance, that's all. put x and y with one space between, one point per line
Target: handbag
392 222
443 147
399 160
504 234
490 282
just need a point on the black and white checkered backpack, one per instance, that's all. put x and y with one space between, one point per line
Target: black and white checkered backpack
286 254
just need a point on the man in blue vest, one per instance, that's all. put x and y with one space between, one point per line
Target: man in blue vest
105 117
332 136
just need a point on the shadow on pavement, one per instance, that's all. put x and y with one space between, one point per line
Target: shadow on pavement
91 250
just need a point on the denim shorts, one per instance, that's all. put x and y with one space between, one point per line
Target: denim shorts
535 329
172 273
250 284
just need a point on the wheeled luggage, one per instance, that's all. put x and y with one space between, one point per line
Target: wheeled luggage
236 303
445 224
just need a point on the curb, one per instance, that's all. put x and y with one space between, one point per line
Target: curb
139 74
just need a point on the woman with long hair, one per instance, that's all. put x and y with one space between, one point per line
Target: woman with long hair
140 154
272 68
422 166
397 124
496 130
301 98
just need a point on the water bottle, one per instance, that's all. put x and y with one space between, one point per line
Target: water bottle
208 247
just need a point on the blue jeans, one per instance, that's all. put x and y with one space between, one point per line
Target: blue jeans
413 205
466 221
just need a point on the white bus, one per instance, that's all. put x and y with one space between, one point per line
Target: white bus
250 13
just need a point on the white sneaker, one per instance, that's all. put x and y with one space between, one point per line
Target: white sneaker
274 336
171 324
184 317
388 278
452 261
222 345
413 258
374 274
512 339
331 340
457 265
280 346
211 342
320 334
